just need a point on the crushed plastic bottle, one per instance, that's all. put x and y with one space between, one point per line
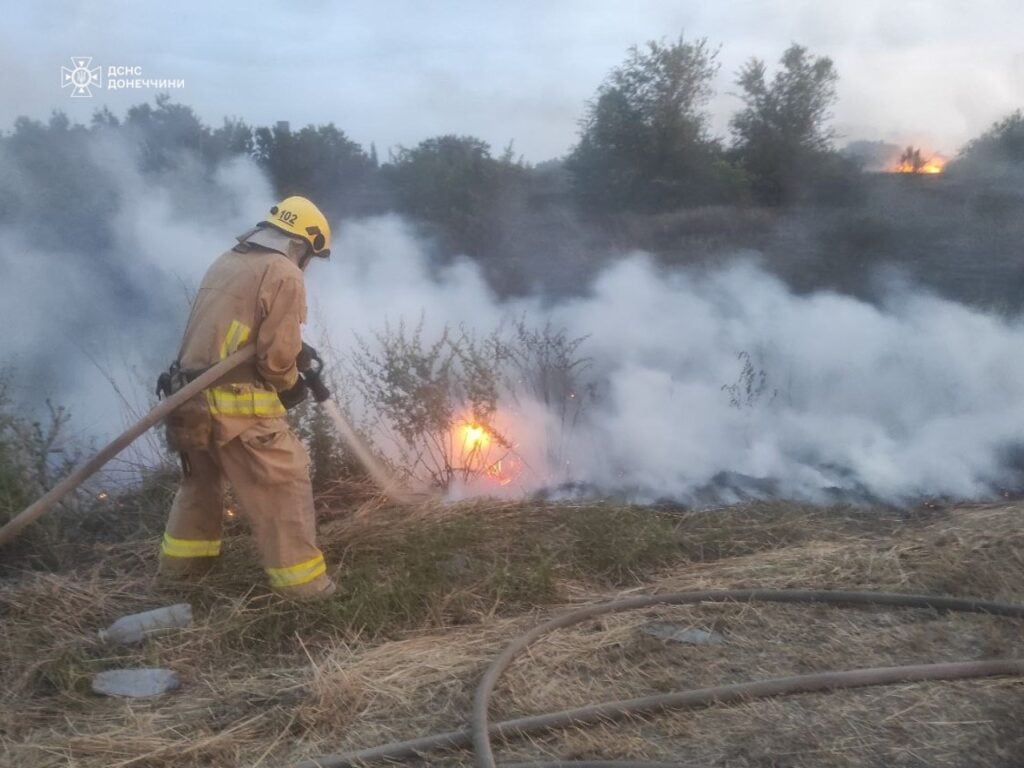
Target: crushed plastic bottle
133 628
676 634
135 683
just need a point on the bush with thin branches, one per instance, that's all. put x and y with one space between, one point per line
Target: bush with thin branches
436 406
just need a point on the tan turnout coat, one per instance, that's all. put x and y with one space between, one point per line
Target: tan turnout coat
250 295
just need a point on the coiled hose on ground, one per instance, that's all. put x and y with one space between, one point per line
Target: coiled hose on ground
481 732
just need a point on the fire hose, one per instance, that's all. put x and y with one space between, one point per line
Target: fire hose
481 732
159 412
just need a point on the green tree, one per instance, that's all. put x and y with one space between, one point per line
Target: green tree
104 118
168 133
232 139
164 133
454 183
49 171
644 142
782 136
998 152
319 162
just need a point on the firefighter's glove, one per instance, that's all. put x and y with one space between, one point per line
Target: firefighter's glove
291 397
306 357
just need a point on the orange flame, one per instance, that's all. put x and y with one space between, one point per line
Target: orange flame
504 471
474 438
483 454
934 165
914 161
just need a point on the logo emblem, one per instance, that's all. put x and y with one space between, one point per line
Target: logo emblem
81 78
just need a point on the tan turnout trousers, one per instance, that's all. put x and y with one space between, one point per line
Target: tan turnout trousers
255 295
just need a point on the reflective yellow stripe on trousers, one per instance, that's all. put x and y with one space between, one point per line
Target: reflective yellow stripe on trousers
295 575
173 547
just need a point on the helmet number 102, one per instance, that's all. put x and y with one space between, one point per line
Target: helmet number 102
288 217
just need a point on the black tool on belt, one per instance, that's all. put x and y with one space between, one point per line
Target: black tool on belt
174 378
170 381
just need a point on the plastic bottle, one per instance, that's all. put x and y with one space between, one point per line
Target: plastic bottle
133 628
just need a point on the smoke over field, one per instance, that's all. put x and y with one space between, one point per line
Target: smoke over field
702 382
722 378
99 271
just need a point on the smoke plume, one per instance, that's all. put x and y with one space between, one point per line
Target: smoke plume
709 383
722 382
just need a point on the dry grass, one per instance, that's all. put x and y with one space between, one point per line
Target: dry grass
431 594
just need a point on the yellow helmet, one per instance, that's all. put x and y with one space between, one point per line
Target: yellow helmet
298 216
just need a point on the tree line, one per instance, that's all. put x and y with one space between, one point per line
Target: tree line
644 147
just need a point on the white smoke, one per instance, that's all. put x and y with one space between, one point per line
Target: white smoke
76 320
917 397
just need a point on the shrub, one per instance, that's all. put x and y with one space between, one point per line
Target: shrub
435 405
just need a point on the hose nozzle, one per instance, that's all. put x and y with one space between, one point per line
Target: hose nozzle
314 379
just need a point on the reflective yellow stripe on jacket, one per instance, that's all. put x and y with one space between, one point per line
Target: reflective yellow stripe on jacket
241 401
173 547
295 575
237 335
230 401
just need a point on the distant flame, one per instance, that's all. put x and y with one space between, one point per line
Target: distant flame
913 161
934 165
102 496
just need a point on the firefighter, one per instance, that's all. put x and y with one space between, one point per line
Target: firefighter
236 430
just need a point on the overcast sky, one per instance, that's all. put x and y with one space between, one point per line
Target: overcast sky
932 73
